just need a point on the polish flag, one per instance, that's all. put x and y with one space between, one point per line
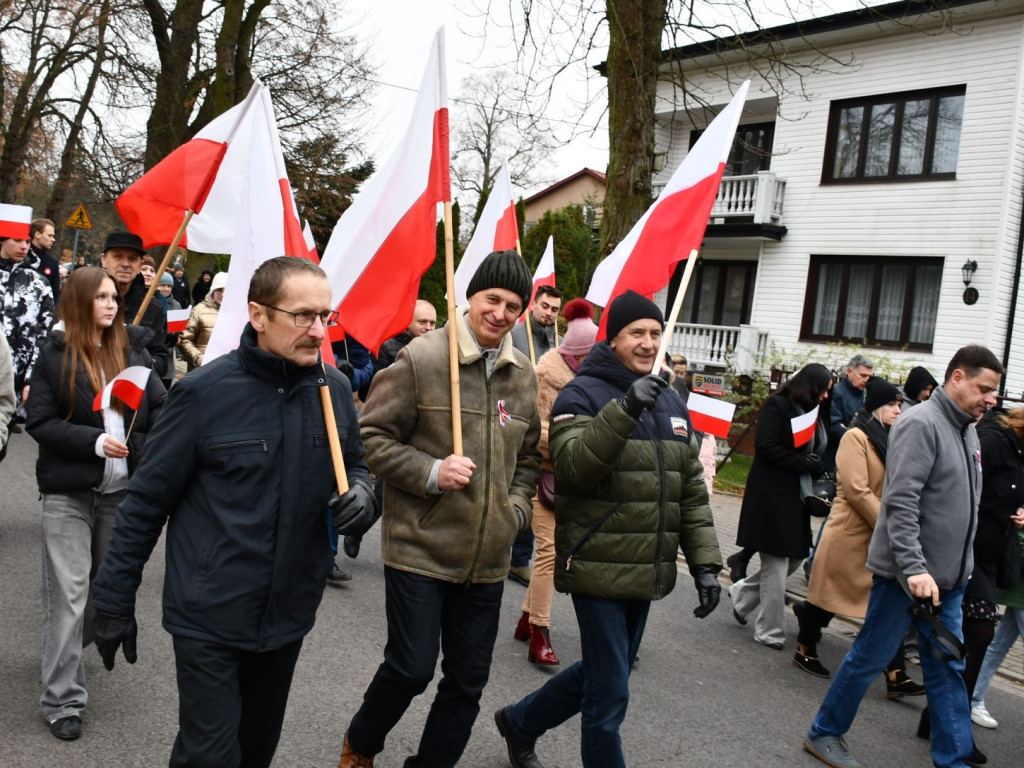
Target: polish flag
16 221
129 385
267 225
177 319
803 427
711 415
543 275
496 230
386 239
674 225
307 237
204 175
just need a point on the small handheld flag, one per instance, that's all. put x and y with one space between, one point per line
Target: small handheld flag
129 385
803 427
710 414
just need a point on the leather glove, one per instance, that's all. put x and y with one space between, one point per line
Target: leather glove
709 591
355 511
111 631
345 367
812 464
642 395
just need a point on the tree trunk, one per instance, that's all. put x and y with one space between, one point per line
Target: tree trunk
634 52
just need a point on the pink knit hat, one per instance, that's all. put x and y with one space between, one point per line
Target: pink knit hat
582 332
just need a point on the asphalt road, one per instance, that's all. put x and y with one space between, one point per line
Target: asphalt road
703 695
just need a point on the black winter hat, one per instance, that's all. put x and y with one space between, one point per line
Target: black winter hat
918 379
123 240
503 269
880 392
627 308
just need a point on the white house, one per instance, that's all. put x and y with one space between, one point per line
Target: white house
893 155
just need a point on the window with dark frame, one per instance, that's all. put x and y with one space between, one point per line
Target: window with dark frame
724 291
894 137
879 300
751 148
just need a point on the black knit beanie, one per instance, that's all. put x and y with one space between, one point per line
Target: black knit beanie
627 308
917 380
879 392
503 269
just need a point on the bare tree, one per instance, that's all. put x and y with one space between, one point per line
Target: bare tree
488 130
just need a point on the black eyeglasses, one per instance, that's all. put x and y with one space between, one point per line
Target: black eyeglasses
307 318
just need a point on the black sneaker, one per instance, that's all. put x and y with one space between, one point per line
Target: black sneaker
901 685
811 665
67 728
337 576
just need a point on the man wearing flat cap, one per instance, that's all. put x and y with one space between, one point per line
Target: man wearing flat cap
449 520
122 258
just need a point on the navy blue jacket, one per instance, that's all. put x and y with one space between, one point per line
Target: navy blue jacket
239 467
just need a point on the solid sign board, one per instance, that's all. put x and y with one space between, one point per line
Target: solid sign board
708 384
79 219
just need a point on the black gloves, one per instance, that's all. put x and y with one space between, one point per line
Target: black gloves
111 631
812 464
641 395
709 591
356 511
345 367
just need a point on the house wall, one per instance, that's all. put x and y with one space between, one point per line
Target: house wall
976 216
577 192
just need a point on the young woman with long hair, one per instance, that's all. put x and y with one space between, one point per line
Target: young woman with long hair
773 519
85 459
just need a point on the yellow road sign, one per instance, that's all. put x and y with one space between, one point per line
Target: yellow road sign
79 219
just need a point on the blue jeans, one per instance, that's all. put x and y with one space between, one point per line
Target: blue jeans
597 687
76 532
884 627
426 616
1010 628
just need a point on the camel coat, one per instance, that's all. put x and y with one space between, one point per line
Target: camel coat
840 581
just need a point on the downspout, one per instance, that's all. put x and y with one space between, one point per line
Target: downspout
1013 298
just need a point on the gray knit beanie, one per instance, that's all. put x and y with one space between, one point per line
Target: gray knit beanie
503 269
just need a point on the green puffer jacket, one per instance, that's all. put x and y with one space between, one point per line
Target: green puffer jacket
462 536
628 493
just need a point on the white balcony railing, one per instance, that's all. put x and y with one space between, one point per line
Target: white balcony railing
757 197
739 348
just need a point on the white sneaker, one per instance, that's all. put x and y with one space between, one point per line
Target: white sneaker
980 716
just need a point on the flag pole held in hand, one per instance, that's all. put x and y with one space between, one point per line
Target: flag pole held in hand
453 330
332 434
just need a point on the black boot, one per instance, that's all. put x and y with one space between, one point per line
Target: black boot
520 752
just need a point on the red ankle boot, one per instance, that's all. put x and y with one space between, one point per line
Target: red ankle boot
522 632
541 651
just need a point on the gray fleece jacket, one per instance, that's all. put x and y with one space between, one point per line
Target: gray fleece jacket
929 509
7 396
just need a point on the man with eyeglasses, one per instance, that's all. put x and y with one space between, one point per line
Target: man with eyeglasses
122 258
247 550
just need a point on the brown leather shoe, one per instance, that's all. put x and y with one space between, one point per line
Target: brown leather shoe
540 646
352 759
522 632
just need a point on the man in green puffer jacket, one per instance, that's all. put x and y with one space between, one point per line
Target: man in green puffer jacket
629 491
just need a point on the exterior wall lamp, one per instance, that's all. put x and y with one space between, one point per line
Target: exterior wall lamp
968 269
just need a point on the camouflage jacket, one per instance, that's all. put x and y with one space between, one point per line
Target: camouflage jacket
27 304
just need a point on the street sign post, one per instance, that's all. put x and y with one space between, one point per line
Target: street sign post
78 220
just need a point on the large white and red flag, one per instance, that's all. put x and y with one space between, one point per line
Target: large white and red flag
15 221
496 230
204 175
267 225
543 275
674 225
386 239
711 415
803 427
129 385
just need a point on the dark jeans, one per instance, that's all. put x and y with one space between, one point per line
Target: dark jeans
426 616
231 703
597 687
522 548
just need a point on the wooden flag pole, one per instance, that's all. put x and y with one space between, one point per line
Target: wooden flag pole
677 307
163 266
332 435
529 328
453 330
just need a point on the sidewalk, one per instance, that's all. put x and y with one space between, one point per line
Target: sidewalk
726 510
